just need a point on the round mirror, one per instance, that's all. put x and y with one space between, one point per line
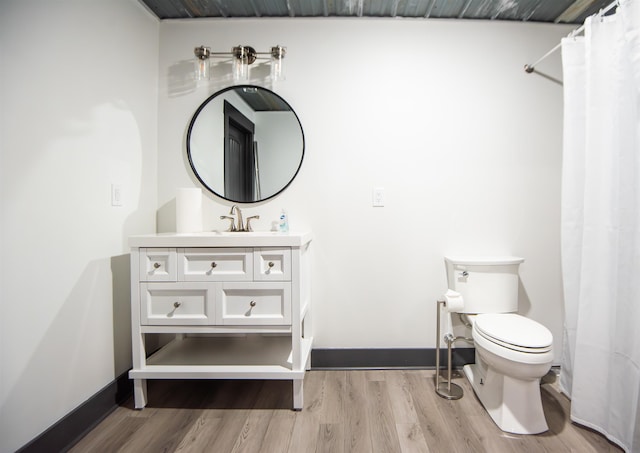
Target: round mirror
245 144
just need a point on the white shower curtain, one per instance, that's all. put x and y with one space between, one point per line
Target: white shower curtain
601 225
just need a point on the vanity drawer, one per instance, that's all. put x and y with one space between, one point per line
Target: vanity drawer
254 304
177 304
219 264
158 265
272 264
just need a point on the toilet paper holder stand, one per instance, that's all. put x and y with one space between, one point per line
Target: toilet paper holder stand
446 389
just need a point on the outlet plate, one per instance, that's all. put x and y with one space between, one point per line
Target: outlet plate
116 194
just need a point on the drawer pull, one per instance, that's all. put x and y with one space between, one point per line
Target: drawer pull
177 304
214 264
156 265
252 303
271 264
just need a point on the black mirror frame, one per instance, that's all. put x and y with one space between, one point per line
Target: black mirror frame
194 118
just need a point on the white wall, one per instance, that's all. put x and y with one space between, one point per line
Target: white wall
78 112
441 114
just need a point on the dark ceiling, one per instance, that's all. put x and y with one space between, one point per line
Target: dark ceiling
553 11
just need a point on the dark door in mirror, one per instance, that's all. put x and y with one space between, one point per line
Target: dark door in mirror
239 158
245 144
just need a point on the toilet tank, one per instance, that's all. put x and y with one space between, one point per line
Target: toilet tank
487 284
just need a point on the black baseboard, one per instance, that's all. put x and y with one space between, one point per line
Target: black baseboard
71 428
387 358
76 424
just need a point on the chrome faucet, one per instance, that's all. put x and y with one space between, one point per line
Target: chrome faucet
235 210
232 225
248 228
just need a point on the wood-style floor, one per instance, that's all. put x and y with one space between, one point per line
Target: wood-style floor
344 411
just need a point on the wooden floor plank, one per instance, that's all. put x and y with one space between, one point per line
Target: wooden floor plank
199 438
252 432
114 433
357 435
314 391
435 428
332 398
231 401
458 421
172 424
306 432
330 438
344 411
229 430
384 437
279 431
411 438
271 396
401 400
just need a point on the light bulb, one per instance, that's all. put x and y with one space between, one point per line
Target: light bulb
240 70
277 57
202 62
240 64
202 69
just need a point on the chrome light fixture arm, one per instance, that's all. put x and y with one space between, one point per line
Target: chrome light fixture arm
243 57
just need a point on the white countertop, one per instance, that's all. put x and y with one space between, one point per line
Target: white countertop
222 239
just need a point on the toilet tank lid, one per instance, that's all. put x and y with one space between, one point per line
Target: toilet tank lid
484 260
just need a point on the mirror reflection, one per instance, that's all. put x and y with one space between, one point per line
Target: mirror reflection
245 144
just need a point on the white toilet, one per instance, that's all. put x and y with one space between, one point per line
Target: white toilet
512 352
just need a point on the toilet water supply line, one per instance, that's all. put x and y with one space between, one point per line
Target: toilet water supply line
451 391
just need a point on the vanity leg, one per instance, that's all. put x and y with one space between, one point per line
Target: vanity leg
297 394
140 393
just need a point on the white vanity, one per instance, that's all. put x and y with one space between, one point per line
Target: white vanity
237 305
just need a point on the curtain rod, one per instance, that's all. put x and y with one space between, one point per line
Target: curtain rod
531 67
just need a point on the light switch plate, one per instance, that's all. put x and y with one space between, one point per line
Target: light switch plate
378 196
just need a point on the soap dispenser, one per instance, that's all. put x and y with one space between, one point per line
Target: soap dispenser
284 222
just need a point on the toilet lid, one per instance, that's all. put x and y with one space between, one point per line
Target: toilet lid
513 330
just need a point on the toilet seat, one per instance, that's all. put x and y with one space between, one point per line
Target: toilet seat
514 332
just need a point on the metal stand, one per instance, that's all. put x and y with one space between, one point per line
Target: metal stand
447 390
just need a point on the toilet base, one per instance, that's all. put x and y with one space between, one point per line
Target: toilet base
514 405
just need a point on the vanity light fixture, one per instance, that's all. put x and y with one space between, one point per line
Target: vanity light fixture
243 57
202 62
